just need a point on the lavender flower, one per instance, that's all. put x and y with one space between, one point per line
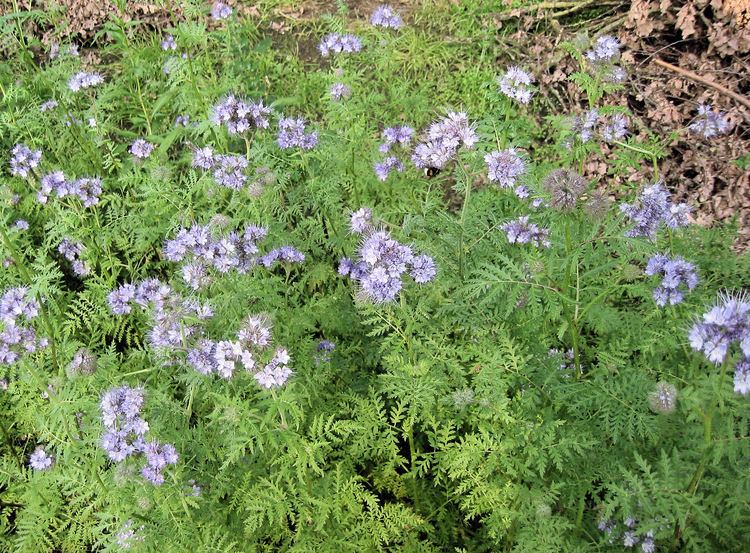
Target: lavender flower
292 134
255 332
203 158
422 269
126 537
21 224
119 299
615 128
396 135
323 351
286 254
504 167
655 210
336 43
361 220
385 16
676 272
725 323
229 171
515 83
709 122
339 91
742 376
82 80
23 160
86 189
168 43
49 105
443 139
220 11
18 337
520 231
584 125
591 123
606 49
384 168
141 149
71 251
40 460
240 116
276 372
182 121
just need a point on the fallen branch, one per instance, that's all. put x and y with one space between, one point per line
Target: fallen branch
567 7
697 78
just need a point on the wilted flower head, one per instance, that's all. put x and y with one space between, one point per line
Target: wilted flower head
520 231
655 210
515 83
663 398
709 122
23 160
725 323
336 43
292 134
676 272
141 149
462 398
606 49
84 362
220 11
40 460
564 186
598 204
385 16
504 167
339 91
240 116
83 80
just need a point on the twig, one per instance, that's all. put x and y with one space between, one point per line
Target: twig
568 6
697 78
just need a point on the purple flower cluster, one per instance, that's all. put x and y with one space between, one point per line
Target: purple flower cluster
125 433
182 121
606 49
233 251
381 265
361 220
239 116
515 83
219 11
140 149
49 105
127 536
23 159
384 168
292 134
82 80
86 189
504 167
443 139
655 209
228 170
629 535
591 123
336 43
393 136
323 351
168 43
40 460
276 372
71 251
520 231
676 272
339 91
726 323
709 122
386 16
18 336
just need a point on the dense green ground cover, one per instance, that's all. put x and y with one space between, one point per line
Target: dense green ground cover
508 404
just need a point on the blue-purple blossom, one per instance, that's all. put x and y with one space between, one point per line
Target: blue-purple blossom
203 158
401 135
71 251
443 139
40 460
591 123
361 220
86 189
182 120
49 105
382 262
676 272
276 372
709 122
504 167
127 536
284 254
239 115
339 91
292 134
515 83
229 171
742 376
23 159
18 337
384 168
82 80
21 224
614 128
386 16
168 43
655 210
521 231
336 43
606 49
726 323
220 11
141 149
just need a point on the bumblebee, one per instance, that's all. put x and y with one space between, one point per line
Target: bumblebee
430 172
